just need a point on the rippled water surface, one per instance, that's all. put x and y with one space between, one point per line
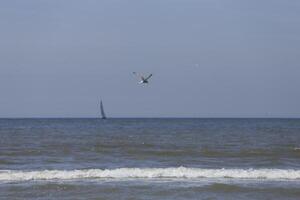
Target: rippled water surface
149 159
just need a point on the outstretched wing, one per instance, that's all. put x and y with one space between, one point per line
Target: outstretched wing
139 76
146 79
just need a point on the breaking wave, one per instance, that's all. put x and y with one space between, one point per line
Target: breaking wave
149 173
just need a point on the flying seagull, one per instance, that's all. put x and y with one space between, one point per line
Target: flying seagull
143 79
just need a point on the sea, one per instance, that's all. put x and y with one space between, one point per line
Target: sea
150 159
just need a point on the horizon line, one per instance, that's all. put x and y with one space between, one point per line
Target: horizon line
151 118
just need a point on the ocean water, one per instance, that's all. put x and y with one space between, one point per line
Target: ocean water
150 159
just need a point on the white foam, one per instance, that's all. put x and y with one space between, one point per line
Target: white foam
148 173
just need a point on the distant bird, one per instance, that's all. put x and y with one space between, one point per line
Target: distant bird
143 79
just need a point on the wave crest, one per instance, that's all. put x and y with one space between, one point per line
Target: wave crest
180 172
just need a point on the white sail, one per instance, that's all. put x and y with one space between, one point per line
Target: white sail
102 111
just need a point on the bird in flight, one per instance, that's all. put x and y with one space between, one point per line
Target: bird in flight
143 79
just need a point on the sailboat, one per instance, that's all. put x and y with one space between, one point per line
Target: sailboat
102 111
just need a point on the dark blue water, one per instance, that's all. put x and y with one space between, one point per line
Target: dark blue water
150 158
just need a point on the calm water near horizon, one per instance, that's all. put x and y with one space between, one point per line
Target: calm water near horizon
150 158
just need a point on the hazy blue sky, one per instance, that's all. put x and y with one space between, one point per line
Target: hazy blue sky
59 57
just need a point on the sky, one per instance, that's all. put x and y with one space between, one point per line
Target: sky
209 58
